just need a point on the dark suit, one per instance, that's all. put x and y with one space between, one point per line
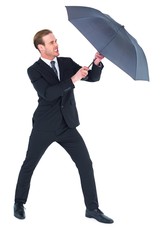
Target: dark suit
56 119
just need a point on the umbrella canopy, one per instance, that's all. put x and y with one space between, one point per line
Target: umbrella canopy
111 40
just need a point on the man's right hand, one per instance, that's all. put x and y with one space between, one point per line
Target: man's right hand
81 73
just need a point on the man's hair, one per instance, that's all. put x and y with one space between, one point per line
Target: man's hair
38 37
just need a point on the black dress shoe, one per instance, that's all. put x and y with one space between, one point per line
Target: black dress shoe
98 215
19 211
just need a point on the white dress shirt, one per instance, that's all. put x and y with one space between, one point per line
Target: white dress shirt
47 61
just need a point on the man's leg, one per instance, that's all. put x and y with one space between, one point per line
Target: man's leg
73 143
38 143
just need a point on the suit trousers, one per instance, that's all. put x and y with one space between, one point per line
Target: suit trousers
73 143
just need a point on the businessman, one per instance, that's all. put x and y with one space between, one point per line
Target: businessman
55 120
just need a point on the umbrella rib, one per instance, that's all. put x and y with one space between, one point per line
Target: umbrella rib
112 38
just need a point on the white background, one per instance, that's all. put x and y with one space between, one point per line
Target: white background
120 123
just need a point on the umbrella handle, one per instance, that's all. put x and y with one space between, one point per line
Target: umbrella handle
89 67
85 78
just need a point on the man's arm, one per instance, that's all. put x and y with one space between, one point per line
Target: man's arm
92 75
45 90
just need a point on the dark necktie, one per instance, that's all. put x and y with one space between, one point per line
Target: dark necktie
53 67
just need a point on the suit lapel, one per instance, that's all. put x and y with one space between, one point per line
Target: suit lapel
46 71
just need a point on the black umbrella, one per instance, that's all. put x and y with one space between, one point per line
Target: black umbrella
110 39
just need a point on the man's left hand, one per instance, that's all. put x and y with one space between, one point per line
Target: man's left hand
98 58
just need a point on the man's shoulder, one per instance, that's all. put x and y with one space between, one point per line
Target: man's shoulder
64 59
35 67
67 61
35 63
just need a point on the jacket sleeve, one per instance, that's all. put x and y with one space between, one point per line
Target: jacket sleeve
45 90
95 73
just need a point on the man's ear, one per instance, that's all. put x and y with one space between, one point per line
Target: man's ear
40 47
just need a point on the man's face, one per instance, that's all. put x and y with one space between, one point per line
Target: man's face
50 48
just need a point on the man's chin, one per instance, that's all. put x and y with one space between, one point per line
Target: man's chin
56 54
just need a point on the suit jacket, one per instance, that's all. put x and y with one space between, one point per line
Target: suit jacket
56 101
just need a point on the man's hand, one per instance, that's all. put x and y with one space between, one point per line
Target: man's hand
98 58
81 73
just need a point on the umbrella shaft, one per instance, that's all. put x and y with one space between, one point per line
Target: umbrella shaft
91 63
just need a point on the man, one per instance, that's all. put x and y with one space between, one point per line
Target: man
56 119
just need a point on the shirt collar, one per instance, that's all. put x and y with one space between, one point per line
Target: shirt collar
47 61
